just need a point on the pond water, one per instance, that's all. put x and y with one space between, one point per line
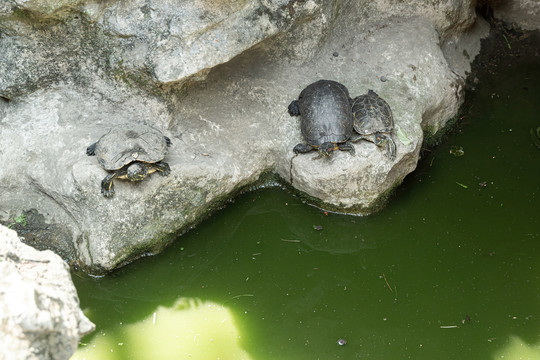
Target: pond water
450 269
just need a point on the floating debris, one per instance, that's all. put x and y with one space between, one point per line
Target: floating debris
292 240
317 227
457 151
535 136
386 281
342 342
462 185
507 42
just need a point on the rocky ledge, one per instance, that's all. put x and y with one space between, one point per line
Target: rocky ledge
40 316
216 78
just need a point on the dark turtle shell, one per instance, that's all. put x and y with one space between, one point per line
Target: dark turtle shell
127 143
326 113
372 114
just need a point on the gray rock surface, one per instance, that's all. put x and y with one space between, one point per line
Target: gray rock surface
178 39
523 13
40 317
225 109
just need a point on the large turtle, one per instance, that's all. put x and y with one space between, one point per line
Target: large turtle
373 121
130 152
327 121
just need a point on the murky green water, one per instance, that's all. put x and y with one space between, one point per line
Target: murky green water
449 270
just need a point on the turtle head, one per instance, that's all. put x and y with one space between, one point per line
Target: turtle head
136 171
380 140
327 149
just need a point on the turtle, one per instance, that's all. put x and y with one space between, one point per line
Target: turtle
130 152
373 121
326 118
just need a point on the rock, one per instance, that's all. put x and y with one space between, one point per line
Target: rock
228 128
459 50
49 51
39 307
523 13
167 41
43 8
421 90
186 38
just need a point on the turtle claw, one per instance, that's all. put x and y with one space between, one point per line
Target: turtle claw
163 168
107 193
107 190
107 185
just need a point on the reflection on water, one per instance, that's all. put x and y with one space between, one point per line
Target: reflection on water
518 349
321 236
338 242
190 329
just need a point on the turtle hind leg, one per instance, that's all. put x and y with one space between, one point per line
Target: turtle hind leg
293 108
91 150
163 168
107 185
302 148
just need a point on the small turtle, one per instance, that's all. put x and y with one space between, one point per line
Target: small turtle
130 152
327 121
373 121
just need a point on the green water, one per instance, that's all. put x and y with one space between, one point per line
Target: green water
449 270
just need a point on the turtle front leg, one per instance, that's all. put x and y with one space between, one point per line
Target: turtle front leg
391 149
163 168
347 146
380 140
302 148
388 142
107 186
